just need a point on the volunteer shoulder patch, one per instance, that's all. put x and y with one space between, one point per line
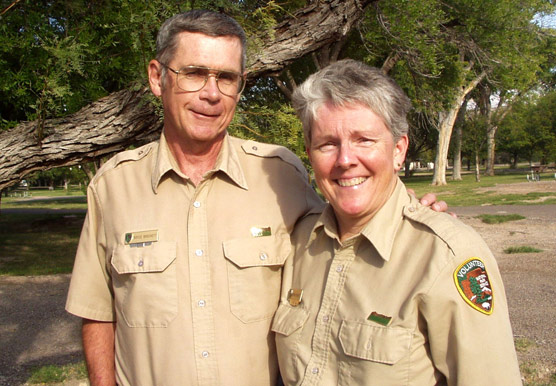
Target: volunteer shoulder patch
473 284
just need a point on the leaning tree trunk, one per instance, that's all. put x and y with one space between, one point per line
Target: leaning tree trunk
127 117
445 127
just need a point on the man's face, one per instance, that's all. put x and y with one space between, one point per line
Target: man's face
355 160
197 118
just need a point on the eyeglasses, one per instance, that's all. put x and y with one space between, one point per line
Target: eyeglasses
194 78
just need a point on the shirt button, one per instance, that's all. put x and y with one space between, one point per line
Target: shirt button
339 268
140 263
263 256
325 318
205 354
315 370
411 209
197 204
201 303
199 252
254 148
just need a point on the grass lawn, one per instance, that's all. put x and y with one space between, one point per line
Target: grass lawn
464 193
49 199
38 244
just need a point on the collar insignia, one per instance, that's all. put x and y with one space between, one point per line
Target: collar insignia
260 232
379 318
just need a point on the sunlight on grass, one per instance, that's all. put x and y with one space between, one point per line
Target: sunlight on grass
56 374
499 218
465 192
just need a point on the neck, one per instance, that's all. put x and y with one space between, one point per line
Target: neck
193 158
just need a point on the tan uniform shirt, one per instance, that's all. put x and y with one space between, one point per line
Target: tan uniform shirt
191 275
383 308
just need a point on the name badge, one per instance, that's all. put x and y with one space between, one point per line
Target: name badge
141 237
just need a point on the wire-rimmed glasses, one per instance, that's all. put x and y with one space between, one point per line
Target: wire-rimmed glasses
194 78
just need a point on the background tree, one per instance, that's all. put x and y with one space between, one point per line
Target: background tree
57 62
127 117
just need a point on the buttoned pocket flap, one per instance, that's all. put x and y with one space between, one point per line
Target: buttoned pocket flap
288 319
374 343
258 251
150 258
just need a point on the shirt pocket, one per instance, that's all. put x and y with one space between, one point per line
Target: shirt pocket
254 275
289 319
145 284
374 343
288 325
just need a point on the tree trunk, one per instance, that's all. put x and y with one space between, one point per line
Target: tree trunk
127 117
456 172
491 149
445 127
477 166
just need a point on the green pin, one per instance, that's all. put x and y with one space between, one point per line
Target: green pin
380 319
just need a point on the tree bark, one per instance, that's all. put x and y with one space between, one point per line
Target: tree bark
127 117
445 127
456 171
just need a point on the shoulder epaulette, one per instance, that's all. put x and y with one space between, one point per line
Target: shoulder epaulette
459 237
268 151
125 156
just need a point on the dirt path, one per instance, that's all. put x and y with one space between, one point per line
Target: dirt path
35 330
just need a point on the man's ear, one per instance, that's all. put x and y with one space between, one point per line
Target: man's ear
238 97
155 77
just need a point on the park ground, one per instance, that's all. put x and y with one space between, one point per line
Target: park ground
36 331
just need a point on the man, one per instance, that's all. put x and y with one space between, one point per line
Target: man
178 269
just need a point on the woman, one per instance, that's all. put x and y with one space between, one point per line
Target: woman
383 291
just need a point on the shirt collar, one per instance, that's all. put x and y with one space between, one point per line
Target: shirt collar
226 162
381 229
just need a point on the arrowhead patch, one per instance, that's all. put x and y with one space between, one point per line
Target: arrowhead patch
473 284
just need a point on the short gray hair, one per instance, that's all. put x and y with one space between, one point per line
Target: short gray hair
347 82
206 22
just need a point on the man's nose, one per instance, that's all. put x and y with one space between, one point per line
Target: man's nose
210 90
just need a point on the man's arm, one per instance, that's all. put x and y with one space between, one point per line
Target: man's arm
98 345
429 200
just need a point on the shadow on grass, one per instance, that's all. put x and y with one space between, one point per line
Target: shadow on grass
38 244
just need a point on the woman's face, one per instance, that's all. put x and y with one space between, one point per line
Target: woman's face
355 160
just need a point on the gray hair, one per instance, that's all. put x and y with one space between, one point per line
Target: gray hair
206 22
347 82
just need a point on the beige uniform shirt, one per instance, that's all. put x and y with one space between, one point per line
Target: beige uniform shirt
383 308
191 275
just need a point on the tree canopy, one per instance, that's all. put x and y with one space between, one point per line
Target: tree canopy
73 73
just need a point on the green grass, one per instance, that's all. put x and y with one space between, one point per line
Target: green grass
464 193
536 374
38 244
57 199
522 249
57 374
499 218
524 344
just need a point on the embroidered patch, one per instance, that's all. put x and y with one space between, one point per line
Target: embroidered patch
473 284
